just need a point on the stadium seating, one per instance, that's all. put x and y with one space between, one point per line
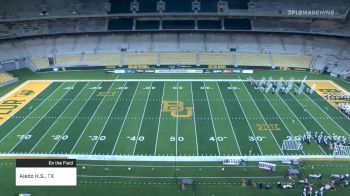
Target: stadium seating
41 62
291 61
101 59
4 77
216 58
68 60
245 59
140 58
178 58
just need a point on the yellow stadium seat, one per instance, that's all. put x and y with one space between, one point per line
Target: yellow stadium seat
140 58
292 61
216 58
178 58
246 59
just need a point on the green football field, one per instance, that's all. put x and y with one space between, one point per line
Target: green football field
167 118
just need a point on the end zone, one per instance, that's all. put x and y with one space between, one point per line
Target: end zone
16 100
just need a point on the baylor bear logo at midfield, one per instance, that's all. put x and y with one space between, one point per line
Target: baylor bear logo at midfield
175 107
24 93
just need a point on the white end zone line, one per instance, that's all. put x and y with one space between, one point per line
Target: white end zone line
172 158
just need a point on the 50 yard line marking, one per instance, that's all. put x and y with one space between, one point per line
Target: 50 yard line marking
160 116
87 124
109 115
87 100
58 117
233 131
29 114
262 117
194 120
212 121
31 129
143 114
125 117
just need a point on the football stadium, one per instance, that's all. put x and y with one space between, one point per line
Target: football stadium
174 97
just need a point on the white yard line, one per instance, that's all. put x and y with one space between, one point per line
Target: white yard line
228 116
30 130
125 118
109 115
88 123
58 118
298 120
310 114
143 114
326 114
211 117
245 116
262 117
29 114
160 116
194 120
280 118
74 118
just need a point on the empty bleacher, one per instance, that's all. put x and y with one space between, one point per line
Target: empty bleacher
4 77
41 62
67 60
292 61
246 59
178 58
140 58
216 58
101 59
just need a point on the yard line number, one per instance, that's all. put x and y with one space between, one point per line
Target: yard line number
179 139
218 138
135 138
24 137
97 138
256 138
59 137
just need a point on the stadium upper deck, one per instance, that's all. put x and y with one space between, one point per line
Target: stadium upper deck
20 18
